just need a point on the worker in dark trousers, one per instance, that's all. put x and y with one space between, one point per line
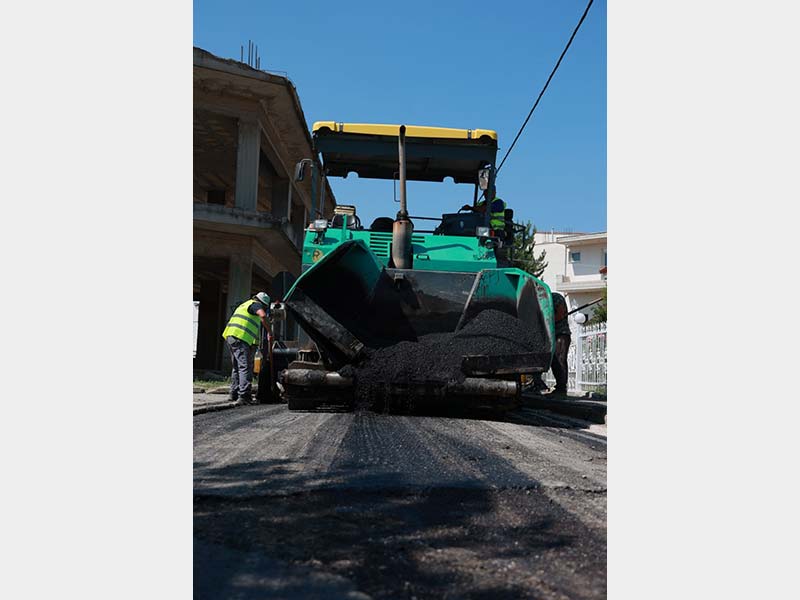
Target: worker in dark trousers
563 340
242 334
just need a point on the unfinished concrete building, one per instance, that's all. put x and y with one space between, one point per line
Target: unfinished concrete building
249 133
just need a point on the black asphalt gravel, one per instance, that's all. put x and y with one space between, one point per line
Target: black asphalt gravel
436 358
363 505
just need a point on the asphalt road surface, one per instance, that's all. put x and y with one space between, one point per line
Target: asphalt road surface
360 505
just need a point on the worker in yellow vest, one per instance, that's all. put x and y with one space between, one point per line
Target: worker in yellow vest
242 334
497 217
497 221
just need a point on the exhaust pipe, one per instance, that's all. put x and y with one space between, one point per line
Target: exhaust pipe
401 151
402 227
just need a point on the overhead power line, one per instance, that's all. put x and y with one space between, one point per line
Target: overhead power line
572 37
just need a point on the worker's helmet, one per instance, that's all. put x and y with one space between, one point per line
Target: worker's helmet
263 298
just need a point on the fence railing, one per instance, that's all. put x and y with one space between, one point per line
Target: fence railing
586 359
196 320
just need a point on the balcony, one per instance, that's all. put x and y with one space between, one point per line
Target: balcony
583 239
588 283
275 234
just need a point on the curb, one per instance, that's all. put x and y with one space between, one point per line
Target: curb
213 407
590 410
226 390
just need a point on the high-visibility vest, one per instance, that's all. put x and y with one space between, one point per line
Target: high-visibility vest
242 325
497 219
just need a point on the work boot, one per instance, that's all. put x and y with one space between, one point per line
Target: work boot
245 400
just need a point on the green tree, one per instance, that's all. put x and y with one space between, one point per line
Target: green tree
524 256
600 313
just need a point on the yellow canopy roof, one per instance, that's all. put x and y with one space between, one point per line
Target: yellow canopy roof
411 130
432 153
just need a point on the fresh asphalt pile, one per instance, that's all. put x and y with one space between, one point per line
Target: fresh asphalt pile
435 359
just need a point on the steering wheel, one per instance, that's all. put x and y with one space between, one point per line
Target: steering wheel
462 208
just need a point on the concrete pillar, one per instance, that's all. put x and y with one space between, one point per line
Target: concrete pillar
280 194
297 222
209 326
248 154
240 277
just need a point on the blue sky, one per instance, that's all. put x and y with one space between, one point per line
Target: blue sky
449 64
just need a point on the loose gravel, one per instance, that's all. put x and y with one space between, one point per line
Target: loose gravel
436 358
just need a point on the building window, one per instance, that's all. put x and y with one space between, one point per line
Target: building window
574 257
605 258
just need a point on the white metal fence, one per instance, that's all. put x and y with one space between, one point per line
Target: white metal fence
586 359
196 320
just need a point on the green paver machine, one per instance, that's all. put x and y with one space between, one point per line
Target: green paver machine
371 287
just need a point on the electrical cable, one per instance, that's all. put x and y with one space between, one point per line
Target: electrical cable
578 26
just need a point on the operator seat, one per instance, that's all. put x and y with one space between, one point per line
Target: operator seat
382 224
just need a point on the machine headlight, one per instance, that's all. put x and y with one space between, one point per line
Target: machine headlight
482 231
320 224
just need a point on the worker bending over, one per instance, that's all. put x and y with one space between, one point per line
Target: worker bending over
242 335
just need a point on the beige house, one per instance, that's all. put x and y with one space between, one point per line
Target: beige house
249 133
574 263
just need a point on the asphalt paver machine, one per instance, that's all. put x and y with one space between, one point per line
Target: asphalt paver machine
363 288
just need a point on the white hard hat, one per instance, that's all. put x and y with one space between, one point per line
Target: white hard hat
263 298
